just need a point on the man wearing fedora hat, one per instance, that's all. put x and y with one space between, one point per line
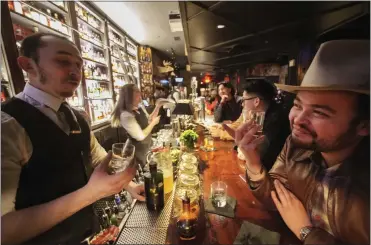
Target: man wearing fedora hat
320 182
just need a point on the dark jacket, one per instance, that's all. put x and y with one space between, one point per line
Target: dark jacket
230 110
276 129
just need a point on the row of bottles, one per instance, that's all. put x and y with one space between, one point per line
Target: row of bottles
146 68
115 37
157 182
97 89
146 79
88 34
88 51
145 55
114 215
92 71
20 32
118 66
85 15
44 16
118 51
101 109
131 48
59 4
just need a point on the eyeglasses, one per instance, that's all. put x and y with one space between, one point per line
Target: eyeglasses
244 99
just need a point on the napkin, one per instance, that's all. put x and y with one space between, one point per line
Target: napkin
254 234
227 210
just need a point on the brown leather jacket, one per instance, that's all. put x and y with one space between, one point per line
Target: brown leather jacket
348 200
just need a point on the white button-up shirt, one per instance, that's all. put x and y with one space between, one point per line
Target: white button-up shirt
16 146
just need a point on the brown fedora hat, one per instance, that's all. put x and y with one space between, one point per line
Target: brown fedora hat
341 65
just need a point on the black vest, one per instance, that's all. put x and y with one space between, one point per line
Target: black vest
141 147
60 164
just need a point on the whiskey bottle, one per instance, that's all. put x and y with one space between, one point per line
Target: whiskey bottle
154 187
187 221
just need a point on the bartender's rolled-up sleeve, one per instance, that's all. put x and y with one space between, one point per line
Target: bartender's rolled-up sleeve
130 124
16 150
97 151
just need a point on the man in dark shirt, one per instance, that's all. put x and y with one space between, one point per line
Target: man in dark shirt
229 108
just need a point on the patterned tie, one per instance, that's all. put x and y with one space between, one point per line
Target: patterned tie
70 118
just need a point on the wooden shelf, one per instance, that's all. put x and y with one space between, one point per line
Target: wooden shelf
97 62
118 44
28 22
93 43
86 23
97 80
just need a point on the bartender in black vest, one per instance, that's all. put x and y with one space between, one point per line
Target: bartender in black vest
52 167
130 114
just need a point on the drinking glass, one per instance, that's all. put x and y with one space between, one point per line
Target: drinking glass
219 194
122 157
257 117
209 143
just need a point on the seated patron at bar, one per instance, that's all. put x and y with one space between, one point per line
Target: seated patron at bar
229 108
48 152
134 118
261 95
320 182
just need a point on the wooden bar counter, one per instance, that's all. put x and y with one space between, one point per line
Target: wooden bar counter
223 165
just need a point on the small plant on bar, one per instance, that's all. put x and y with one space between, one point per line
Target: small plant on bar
189 138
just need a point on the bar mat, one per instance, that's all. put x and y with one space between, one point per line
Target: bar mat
227 211
254 234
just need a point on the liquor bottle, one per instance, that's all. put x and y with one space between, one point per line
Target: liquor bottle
105 220
154 187
187 221
108 210
11 5
120 205
114 220
18 7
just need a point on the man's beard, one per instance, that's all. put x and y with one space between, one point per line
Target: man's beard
42 75
320 145
43 80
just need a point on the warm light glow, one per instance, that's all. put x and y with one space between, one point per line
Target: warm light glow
220 26
124 17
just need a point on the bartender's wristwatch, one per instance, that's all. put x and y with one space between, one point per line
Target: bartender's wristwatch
304 232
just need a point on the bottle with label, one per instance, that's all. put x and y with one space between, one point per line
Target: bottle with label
105 220
11 5
187 221
121 206
154 187
18 7
108 210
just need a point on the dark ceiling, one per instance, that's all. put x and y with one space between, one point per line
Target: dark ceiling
258 32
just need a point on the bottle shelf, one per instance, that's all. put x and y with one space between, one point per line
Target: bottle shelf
94 43
89 25
97 62
97 80
118 44
55 7
30 23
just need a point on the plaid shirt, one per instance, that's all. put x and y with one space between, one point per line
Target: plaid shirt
317 206
336 198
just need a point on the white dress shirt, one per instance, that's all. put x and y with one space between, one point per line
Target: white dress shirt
16 146
131 125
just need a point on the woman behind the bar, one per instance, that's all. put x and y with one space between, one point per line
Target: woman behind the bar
133 117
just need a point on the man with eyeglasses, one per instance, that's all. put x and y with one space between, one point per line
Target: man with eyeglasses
260 95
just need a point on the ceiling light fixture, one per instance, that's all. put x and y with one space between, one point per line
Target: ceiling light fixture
220 26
